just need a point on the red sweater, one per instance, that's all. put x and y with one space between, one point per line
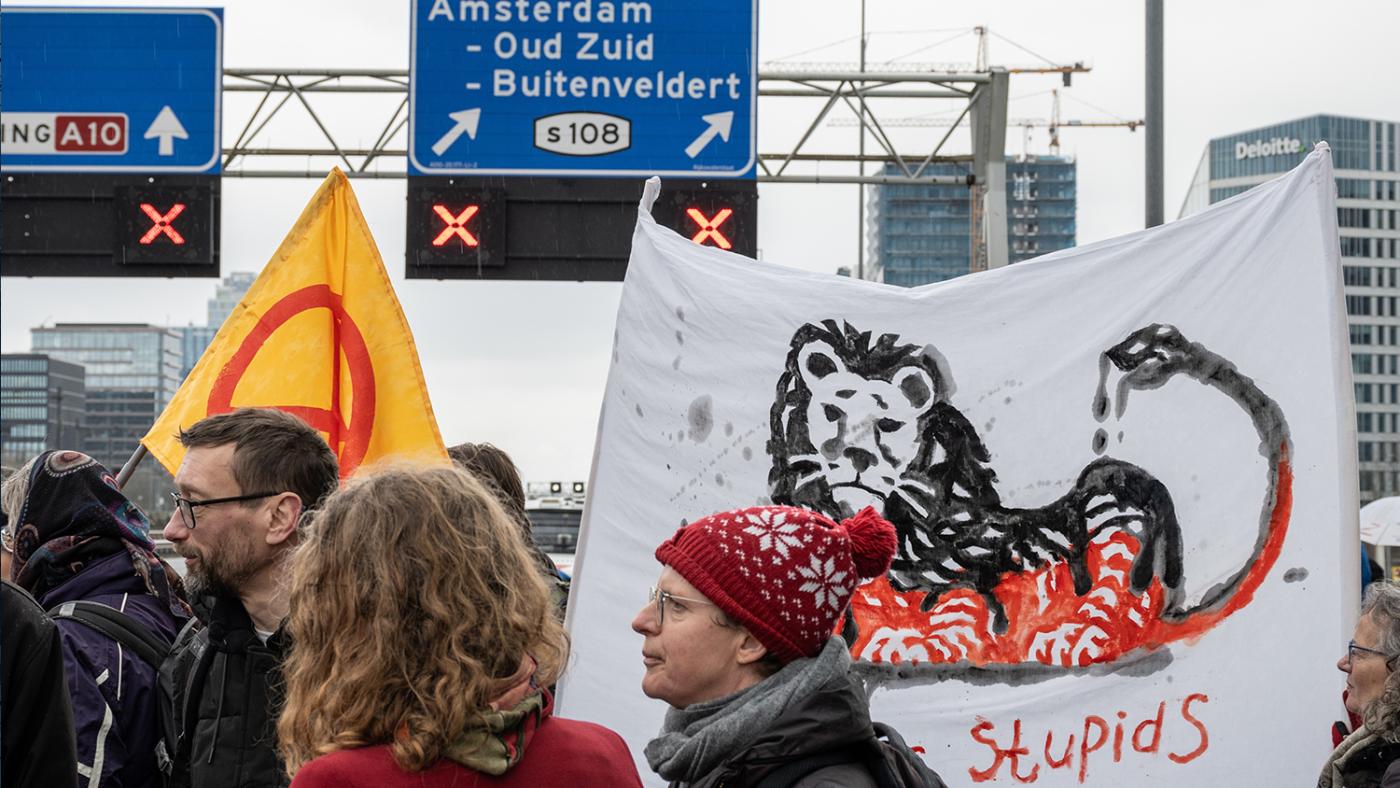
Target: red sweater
562 752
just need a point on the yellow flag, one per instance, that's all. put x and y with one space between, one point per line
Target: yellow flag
320 335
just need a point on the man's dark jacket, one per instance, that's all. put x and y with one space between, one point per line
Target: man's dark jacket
223 684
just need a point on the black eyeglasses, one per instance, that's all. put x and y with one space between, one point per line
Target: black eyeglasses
186 505
1353 650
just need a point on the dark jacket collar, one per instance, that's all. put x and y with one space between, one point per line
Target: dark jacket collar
835 716
231 628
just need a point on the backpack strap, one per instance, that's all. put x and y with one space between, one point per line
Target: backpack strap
178 734
908 768
116 625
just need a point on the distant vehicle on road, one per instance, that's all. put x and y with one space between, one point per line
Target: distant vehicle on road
555 510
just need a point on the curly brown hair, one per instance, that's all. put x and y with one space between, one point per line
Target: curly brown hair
413 598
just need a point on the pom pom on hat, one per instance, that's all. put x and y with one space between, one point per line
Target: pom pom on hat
873 542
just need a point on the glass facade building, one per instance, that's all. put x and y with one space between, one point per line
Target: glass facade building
194 340
227 295
42 406
919 234
132 372
1366 164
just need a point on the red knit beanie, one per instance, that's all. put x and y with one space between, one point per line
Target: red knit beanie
785 573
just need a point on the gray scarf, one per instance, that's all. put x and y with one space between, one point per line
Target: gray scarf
1358 741
698 738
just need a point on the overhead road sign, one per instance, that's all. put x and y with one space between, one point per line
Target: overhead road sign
111 89
615 88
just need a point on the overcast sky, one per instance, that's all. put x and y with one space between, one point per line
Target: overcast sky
523 365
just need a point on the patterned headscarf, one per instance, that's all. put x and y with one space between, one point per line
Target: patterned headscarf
73 515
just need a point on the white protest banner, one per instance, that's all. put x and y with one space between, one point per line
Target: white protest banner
1122 477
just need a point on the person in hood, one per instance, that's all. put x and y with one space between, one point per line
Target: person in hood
738 640
423 642
246 482
77 538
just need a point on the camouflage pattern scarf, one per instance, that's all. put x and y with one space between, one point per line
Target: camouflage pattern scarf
509 725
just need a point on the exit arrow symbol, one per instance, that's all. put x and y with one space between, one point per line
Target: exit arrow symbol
720 123
466 121
167 127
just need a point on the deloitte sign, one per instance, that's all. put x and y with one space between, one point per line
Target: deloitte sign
1278 146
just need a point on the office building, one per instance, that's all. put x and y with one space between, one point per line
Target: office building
42 406
1366 164
918 234
227 295
133 370
194 340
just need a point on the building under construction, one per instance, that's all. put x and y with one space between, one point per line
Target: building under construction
918 234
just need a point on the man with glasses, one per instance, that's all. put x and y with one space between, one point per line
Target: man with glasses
247 480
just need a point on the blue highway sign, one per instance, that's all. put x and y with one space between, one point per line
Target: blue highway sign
111 89
583 87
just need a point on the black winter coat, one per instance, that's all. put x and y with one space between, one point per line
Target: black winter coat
223 683
38 722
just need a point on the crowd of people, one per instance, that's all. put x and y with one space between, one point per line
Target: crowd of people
402 629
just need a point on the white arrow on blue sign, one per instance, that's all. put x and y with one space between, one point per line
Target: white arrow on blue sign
583 87
111 89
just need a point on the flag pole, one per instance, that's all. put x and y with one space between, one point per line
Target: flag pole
130 467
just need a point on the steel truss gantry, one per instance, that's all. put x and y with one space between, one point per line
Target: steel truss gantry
280 89
341 103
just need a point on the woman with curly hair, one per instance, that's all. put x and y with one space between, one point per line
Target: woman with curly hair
1370 756
422 641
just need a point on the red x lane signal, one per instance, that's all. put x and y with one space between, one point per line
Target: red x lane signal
455 225
709 228
160 223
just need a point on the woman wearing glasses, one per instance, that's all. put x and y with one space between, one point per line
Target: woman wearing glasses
76 538
738 640
1370 756
423 638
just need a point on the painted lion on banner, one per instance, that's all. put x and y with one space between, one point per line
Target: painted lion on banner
861 420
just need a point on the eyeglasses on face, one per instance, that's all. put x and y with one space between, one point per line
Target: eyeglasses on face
1353 650
186 505
665 599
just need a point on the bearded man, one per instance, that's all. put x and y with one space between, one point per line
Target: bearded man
247 480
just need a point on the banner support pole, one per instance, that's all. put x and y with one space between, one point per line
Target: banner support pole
130 467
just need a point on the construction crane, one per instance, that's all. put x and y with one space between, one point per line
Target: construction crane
1054 124
1065 71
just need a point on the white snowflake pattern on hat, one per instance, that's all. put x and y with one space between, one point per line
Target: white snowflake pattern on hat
825 581
773 532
